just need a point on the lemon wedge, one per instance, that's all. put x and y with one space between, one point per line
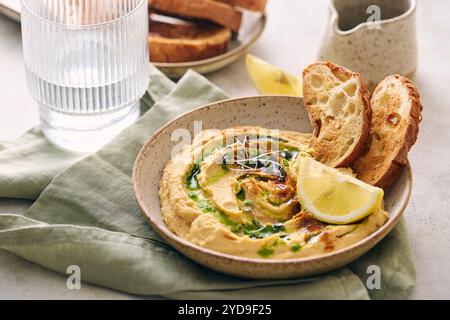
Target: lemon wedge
270 80
334 197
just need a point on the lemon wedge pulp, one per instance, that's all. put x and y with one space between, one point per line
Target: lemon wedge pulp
268 79
333 197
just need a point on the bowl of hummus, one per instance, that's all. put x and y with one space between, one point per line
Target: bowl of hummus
225 195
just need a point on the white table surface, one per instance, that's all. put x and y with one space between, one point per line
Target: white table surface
291 41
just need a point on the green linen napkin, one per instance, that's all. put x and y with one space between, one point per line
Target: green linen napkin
86 215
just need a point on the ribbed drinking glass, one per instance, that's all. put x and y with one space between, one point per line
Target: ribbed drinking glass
87 65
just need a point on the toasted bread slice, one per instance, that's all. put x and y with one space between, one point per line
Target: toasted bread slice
338 104
396 116
214 11
174 41
254 5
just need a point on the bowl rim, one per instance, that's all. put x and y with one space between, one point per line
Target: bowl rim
376 236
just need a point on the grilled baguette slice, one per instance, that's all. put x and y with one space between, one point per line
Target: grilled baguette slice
338 104
213 11
177 41
396 116
254 5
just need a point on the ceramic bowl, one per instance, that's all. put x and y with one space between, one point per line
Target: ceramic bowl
276 112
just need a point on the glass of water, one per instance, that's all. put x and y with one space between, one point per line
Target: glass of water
87 65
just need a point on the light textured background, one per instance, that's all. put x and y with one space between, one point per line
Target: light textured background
291 41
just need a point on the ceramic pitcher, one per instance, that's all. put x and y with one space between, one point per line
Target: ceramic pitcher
373 37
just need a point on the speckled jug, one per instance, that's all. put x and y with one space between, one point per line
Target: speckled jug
374 49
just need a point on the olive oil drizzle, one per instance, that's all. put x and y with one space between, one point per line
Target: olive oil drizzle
254 230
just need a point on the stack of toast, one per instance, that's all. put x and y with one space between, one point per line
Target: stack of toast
190 30
371 135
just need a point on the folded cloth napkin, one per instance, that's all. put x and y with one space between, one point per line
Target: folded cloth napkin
85 214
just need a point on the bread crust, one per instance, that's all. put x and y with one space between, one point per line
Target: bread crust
361 140
392 159
171 42
254 5
213 11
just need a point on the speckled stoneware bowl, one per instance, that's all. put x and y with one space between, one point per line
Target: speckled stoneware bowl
374 50
276 112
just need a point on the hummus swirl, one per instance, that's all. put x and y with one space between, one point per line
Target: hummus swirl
234 191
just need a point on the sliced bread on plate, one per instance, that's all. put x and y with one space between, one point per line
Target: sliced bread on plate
172 40
214 11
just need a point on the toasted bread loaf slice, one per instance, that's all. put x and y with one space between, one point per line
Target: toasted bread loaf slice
175 41
396 116
338 104
210 10
254 5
